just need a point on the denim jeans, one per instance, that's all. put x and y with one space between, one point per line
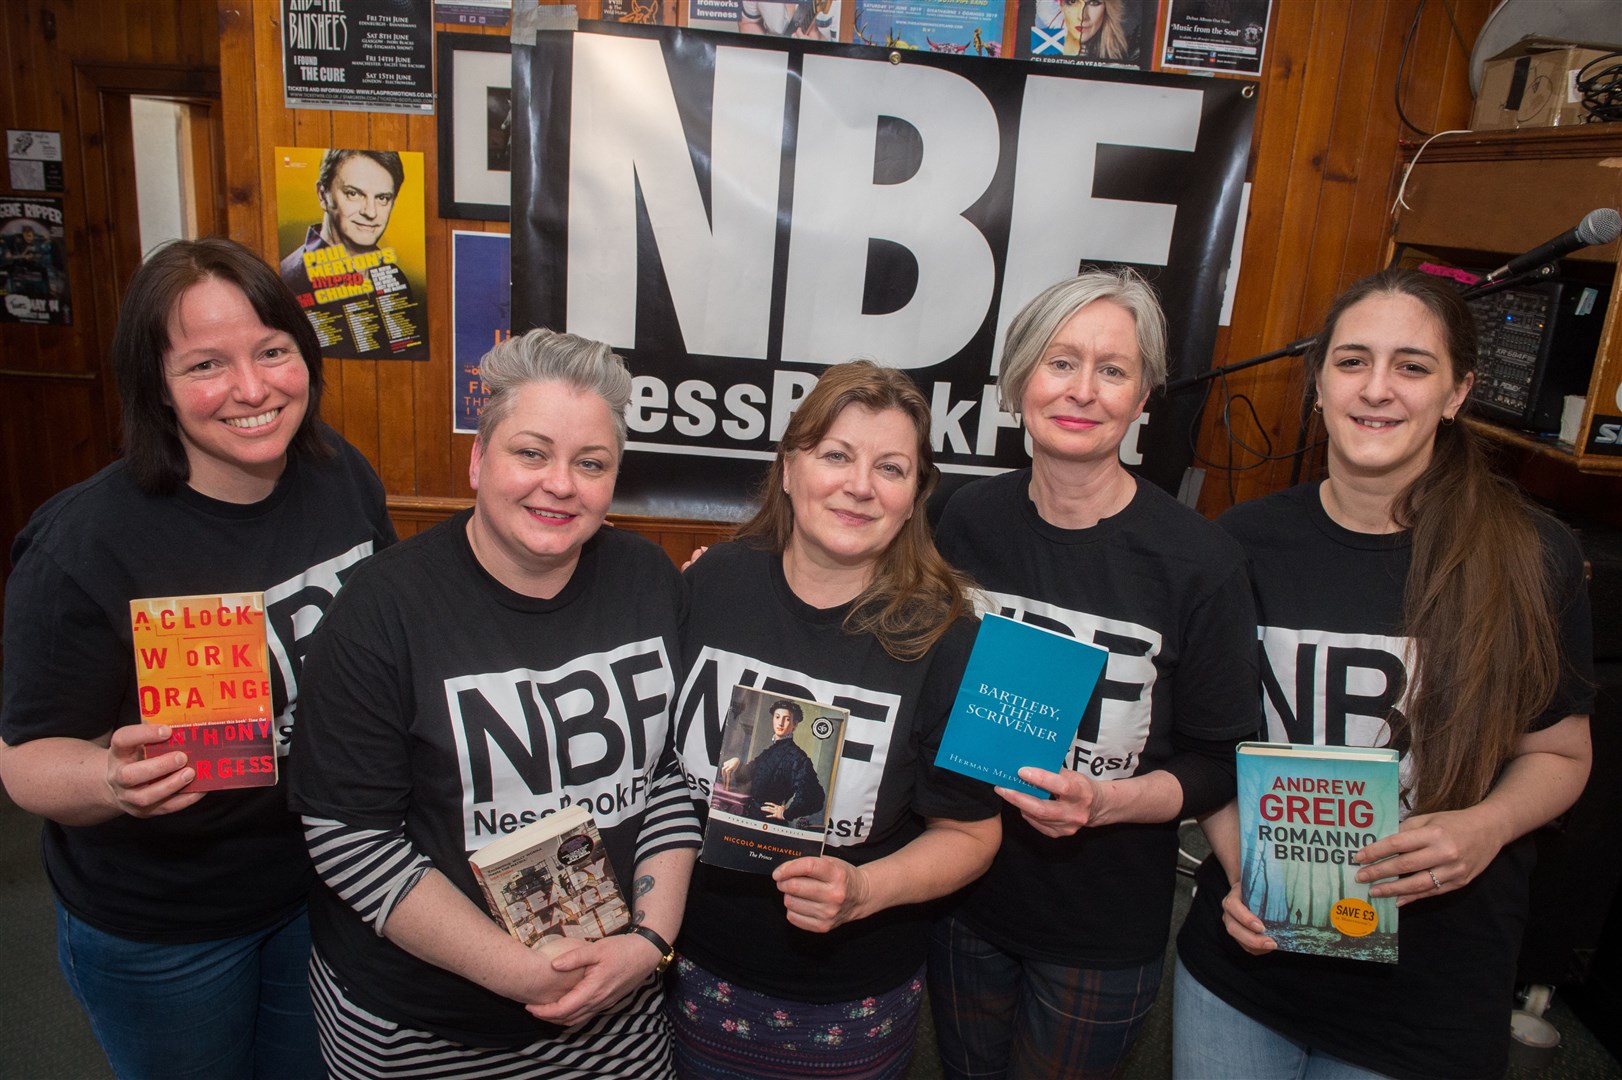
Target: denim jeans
232 1009
998 1015
1211 1039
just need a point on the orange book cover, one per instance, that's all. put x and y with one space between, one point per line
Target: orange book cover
203 669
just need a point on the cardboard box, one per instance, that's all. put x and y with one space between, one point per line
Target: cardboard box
1533 83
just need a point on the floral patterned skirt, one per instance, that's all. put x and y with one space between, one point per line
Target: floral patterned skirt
726 1032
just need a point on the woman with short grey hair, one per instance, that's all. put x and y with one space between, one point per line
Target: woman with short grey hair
1051 960
514 661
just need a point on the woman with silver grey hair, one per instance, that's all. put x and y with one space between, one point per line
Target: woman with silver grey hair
1051 960
514 661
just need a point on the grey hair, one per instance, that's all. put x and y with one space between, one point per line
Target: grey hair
549 356
1033 328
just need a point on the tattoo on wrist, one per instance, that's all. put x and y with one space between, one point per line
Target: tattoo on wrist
638 917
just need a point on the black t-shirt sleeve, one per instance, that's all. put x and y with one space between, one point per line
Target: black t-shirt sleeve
68 670
352 742
1575 696
1217 689
942 793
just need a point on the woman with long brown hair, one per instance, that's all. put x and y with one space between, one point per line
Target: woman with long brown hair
833 592
1412 599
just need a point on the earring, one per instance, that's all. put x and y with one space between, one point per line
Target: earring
1318 406
1447 421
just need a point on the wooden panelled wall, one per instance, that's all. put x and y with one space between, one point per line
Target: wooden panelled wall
58 406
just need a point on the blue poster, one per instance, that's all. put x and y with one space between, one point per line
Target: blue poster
481 316
962 26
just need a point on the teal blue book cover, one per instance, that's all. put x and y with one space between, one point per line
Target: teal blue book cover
1020 702
1304 813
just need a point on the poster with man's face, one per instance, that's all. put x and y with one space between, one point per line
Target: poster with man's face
352 248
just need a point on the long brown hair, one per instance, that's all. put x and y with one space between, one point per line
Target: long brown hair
914 595
1478 605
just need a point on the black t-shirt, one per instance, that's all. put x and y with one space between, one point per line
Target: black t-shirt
746 626
234 861
1165 592
1333 662
439 701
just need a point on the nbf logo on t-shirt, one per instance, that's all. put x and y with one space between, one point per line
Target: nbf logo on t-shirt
589 732
1331 689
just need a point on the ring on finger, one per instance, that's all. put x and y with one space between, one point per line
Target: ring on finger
1434 880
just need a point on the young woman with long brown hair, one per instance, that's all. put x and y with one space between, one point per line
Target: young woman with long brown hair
1412 599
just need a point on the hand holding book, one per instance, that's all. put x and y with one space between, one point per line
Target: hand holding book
823 892
146 787
1074 804
1453 845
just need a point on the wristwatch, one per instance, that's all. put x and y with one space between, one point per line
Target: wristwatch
667 951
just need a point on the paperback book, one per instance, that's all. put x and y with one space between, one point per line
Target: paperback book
202 668
769 803
1304 813
551 880
1021 699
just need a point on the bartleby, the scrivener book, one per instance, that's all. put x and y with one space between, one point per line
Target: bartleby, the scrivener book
1021 699
552 880
773 781
202 668
1304 813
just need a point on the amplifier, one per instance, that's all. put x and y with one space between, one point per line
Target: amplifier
1537 346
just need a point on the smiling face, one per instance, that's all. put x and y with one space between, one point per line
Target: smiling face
239 391
853 490
543 482
1087 389
1387 381
357 203
1082 20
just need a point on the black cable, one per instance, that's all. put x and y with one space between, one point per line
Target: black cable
1402 69
1602 90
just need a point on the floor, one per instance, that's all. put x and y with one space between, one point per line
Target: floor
44 1036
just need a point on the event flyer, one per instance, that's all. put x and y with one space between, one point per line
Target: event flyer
34 262
1118 34
481 317
1227 36
817 20
350 234
358 55
967 26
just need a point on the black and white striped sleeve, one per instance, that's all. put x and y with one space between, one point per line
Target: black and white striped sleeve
371 870
671 821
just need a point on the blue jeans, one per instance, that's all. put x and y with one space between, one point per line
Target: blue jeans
233 1009
998 1015
1211 1040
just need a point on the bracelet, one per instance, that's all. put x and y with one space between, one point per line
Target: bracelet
667 951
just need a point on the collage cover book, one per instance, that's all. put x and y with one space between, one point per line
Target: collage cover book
202 668
1304 812
1021 699
778 758
551 880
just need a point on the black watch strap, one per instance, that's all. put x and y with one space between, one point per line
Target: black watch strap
667 952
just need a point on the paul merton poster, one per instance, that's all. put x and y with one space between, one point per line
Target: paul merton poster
350 237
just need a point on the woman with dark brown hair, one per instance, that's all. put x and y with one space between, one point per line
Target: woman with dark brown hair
1415 600
833 592
181 924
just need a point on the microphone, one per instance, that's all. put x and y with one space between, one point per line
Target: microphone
1597 227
